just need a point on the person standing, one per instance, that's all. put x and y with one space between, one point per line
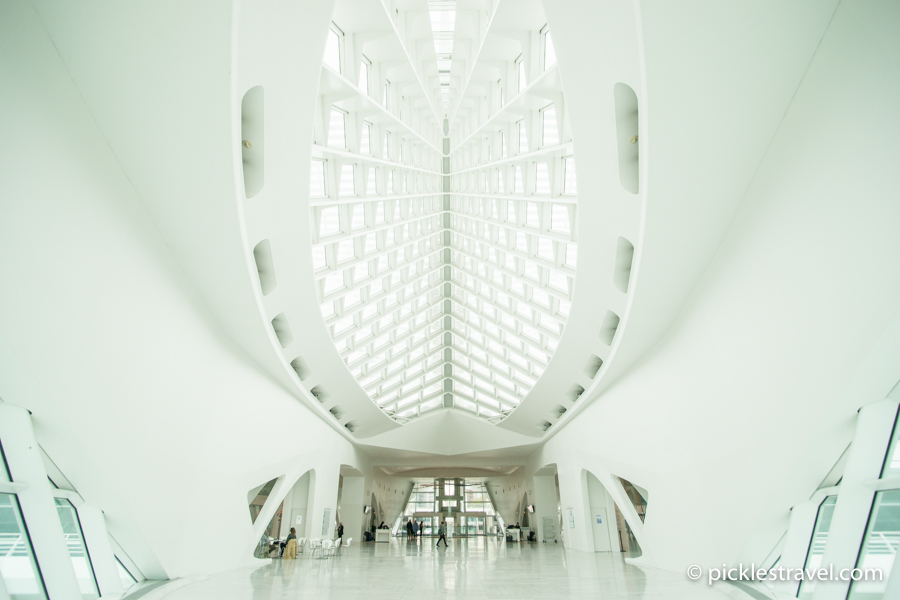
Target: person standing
415 530
290 550
442 534
409 529
422 529
340 538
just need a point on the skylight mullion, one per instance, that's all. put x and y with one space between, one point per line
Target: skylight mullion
526 281
507 290
381 227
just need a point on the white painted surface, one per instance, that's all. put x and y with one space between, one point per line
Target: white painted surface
761 314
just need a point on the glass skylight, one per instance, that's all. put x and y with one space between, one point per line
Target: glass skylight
445 299
443 24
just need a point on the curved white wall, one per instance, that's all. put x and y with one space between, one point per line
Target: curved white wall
763 315
138 392
746 401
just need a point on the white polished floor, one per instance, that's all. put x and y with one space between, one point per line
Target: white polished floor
477 568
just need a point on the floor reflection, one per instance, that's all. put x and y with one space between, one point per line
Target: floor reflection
474 568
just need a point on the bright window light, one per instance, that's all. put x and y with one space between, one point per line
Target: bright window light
571 255
379 258
333 50
559 219
549 127
365 139
542 179
348 180
363 83
521 72
317 179
329 222
358 217
531 215
370 183
318 255
337 137
344 251
549 52
569 185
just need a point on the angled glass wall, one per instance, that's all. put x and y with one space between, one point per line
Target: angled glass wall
465 506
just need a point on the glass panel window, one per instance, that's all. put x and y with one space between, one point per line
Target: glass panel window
521 72
337 137
892 460
518 186
81 562
333 50
549 52
365 139
542 179
358 218
329 222
879 546
348 180
317 179
363 83
318 254
127 578
569 186
817 544
502 145
370 182
559 218
549 127
17 565
531 215
523 137
4 471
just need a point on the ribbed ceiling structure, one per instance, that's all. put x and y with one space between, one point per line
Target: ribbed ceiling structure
443 203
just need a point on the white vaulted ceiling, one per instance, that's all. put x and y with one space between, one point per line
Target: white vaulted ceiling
443 203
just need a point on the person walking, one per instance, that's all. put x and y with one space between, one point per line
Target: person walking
409 530
340 538
422 529
416 530
442 534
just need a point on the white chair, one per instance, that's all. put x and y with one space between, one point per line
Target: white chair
341 544
301 544
315 546
327 548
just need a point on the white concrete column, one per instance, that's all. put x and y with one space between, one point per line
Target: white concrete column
96 538
324 497
572 495
352 503
545 503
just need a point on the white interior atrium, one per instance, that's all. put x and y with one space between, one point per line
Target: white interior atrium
450 299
